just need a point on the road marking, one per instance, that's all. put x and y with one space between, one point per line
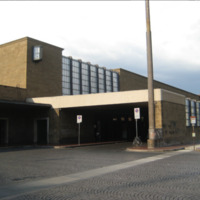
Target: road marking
10 191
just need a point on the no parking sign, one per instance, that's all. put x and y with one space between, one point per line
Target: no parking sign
137 113
79 119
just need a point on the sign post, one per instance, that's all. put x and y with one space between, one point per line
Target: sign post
79 121
137 140
193 122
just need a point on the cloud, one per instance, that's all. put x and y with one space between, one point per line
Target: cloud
112 34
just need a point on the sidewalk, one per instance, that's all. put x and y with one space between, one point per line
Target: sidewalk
56 146
144 148
85 144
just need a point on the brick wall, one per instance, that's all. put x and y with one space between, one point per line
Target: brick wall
64 127
173 118
25 78
132 81
44 78
13 59
21 122
12 93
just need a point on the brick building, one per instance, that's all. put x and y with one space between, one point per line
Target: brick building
42 92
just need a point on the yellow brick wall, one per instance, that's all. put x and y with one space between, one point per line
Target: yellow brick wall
44 78
13 59
158 115
132 81
19 71
174 128
12 93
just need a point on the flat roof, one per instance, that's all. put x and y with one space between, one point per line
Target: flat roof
28 38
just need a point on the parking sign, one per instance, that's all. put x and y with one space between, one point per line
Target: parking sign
79 119
137 113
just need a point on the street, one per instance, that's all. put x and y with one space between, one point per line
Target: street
98 172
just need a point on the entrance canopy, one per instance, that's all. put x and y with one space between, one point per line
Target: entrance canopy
103 99
106 116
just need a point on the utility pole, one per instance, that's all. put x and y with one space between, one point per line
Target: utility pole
152 135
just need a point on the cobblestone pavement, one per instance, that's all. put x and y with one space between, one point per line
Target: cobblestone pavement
27 164
176 176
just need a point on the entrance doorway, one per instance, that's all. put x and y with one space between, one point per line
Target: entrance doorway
41 136
3 132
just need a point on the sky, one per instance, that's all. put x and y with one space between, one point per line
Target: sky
112 34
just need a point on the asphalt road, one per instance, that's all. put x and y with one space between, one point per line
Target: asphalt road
98 172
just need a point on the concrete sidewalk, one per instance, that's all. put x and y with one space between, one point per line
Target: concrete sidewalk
85 144
143 148
139 148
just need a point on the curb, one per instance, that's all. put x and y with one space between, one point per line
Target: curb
163 149
84 145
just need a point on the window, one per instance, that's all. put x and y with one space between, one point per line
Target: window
101 80
85 78
115 82
66 76
108 81
93 79
37 53
198 113
187 111
75 77
193 108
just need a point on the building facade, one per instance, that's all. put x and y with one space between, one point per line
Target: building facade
42 92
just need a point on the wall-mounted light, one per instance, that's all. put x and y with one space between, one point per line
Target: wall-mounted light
123 119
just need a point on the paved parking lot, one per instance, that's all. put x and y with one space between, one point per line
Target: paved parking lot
25 164
98 172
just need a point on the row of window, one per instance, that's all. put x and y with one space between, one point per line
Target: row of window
192 108
83 78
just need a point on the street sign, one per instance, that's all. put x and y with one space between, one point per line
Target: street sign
137 113
79 119
193 119
137 140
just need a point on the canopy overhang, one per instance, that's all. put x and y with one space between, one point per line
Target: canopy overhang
103 99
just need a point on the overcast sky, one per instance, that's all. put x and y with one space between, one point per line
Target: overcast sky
113 34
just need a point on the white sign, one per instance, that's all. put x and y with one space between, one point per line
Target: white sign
79 119
193 120
137 113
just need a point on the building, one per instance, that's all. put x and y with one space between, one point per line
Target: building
42 92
